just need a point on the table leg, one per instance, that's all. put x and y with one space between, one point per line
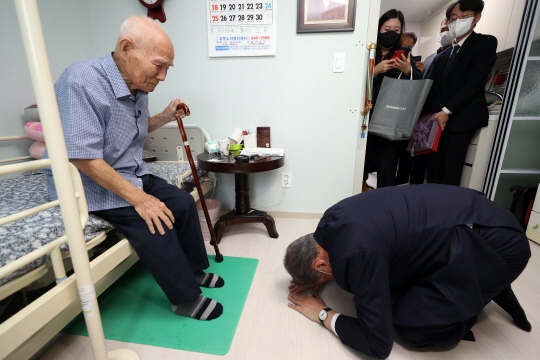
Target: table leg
244 213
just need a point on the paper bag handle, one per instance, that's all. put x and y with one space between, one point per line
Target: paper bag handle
399 77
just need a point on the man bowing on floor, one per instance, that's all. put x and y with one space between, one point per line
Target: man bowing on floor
413 263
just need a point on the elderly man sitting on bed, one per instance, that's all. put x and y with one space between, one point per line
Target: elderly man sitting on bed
413 265
103 105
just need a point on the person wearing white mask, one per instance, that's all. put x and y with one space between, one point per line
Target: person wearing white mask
419 163
445 40
457 96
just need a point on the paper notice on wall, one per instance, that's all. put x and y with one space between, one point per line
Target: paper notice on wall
241 28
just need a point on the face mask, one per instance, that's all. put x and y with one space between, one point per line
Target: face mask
460 27
445 38
388 39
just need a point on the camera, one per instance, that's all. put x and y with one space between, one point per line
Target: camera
240 159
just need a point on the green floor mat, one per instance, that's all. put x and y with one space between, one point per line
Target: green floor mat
135 309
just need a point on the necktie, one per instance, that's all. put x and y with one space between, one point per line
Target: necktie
451 58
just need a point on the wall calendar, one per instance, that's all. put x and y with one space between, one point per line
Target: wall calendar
241 28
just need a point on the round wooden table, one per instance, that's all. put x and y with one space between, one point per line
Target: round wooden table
243 213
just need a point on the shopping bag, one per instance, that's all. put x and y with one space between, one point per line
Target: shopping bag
398 107
425 137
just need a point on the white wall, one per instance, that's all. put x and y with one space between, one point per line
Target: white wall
313 113
66 28
416 27
431 27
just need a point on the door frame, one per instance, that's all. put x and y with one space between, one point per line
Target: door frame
373 20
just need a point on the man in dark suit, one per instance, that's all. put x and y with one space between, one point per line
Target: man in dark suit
413 264
457 95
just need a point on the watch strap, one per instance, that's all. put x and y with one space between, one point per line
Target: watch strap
327 309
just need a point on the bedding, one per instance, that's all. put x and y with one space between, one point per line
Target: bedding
29 190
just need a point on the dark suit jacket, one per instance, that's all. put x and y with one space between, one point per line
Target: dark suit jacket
462 91
414 239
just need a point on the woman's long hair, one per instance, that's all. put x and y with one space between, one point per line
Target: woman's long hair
390 14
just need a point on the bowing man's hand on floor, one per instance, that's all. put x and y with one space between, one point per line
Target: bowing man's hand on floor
307 305
296 289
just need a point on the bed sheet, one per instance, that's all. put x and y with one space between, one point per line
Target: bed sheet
26 235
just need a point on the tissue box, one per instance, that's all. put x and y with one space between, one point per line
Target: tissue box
211 146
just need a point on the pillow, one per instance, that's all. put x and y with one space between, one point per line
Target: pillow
31 113
34 130
37 149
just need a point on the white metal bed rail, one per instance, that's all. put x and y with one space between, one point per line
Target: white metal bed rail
11 138
38 62
39 164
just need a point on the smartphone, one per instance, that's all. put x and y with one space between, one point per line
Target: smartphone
404 51
417 58
397 54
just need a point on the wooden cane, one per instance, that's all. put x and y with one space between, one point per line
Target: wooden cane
219 257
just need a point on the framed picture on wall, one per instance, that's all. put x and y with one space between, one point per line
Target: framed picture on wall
325 15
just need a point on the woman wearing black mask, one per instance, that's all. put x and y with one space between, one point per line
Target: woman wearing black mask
381 154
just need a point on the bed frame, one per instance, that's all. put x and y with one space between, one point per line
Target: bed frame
27 331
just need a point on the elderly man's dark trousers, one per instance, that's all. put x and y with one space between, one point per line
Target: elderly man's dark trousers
171 258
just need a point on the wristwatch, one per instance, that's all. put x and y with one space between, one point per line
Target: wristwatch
323 314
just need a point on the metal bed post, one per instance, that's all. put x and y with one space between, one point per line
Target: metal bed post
34 44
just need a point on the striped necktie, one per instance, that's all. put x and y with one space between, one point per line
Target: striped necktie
451 58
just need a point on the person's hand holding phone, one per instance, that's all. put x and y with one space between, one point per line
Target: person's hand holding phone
418 62
383 67
403 64
398 54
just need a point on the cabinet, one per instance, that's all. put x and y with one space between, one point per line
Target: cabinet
515 158
533 228
513 26
496 20
476 161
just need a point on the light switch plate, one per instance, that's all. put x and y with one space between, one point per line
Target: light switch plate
339 62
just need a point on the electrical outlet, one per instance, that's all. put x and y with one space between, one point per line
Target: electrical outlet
286 179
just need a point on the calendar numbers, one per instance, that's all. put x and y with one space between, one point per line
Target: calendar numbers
230 12
241 28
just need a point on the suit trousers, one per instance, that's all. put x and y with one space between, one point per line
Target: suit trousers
446 165
514 251
171 258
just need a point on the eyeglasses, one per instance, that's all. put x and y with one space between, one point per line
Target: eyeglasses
462 17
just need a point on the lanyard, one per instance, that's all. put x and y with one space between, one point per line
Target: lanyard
369 89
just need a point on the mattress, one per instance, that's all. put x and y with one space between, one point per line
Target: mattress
26 235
